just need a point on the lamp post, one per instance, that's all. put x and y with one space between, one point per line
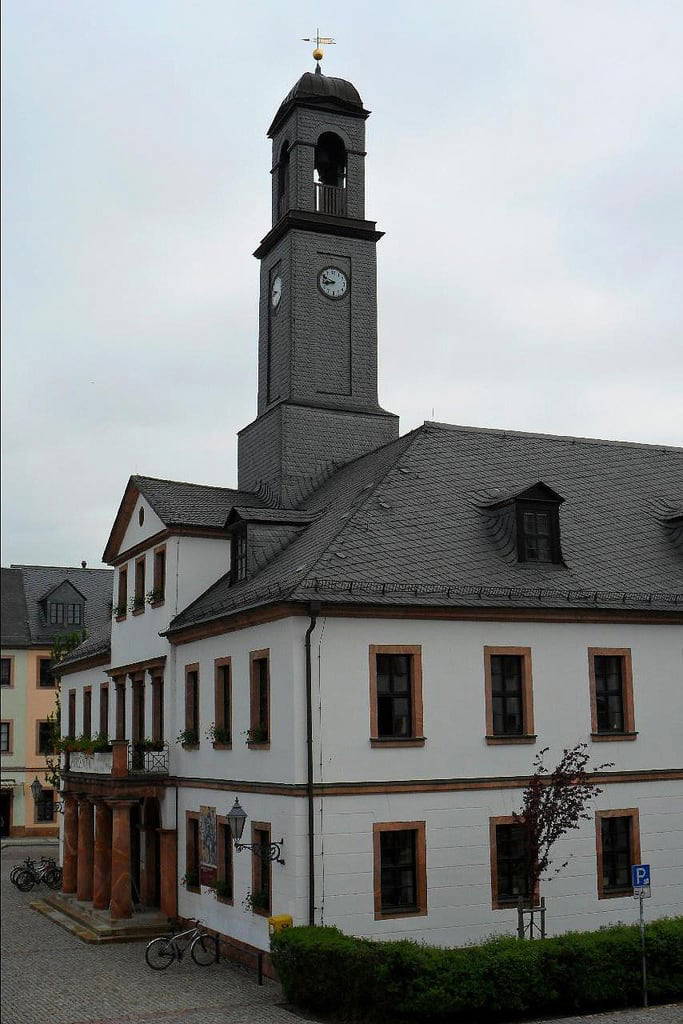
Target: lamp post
267 851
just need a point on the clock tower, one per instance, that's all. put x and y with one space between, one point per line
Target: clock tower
317 373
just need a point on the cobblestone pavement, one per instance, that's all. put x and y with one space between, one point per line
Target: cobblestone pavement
51 977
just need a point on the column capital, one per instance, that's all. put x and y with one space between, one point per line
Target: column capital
117 801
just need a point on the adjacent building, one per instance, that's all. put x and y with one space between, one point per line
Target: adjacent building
367 640
39 604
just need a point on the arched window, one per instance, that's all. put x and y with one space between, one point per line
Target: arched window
330 169
283 180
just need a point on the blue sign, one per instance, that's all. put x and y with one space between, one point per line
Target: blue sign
640 875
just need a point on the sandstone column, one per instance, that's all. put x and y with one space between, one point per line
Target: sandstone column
85 849
168 856
102 868
121 889
119 765
70 847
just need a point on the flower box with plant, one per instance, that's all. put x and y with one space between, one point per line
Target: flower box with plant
155 597
223 890
148 744
137 604
219 736
257 735
256 901
188 738
191 879
101 744
120 611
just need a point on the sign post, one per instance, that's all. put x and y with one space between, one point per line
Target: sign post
640 881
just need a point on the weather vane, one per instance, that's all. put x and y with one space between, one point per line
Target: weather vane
319 42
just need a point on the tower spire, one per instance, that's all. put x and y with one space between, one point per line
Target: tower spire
318 53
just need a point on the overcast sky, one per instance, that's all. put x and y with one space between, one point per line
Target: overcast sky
525 159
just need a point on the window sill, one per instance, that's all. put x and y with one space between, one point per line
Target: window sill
620 894
262 911
190 746
221 746
259 746
227 900
494 741
392 915
121 618
194 888
157 604
138 611
611 737
395 741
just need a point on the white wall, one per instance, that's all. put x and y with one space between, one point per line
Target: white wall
136 534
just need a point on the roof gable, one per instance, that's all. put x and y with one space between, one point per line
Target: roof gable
63 591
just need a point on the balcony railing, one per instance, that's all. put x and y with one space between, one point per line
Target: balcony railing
147 760
91 764
330 199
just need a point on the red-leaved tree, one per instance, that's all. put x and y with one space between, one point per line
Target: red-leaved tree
554 803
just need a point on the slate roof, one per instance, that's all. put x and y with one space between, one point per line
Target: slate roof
23 586
407 524
184 504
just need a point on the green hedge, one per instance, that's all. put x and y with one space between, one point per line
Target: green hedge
324 971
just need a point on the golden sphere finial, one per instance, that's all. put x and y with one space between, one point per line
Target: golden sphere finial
318 54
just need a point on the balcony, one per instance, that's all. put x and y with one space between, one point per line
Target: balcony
126 759
91 764
144 760
330 199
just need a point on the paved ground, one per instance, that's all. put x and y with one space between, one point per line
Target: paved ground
51 977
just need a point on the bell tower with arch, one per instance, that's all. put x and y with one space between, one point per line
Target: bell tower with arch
317 355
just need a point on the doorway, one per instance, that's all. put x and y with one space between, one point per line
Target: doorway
5 812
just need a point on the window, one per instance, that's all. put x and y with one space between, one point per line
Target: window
56 613
191 705
238 555
538 531
122 601
224 889
158 709
159 591
139 597
400 870
87 711
509 862
45 807
509 695
259 725
6 737
72 714
223 710
45 744
7 672
45 677
74 614
192 851
611 685
138 720
618 848
396 695
261 871
104 710
120 689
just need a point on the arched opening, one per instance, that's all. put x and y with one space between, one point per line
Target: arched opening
330 171
283 180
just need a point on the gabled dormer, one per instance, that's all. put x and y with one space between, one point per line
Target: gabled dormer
525 524
63 605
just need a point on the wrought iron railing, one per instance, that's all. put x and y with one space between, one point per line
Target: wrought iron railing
144 760
330 199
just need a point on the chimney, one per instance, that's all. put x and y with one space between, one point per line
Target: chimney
83 565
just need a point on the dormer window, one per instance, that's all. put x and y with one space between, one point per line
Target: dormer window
538 532
60 613
238 555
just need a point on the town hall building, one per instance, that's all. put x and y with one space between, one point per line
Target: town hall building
360 648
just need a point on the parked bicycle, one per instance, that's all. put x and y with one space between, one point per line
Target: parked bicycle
18 868
203 947
30 874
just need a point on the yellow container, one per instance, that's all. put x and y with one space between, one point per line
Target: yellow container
279 922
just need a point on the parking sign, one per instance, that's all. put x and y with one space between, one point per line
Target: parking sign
640 879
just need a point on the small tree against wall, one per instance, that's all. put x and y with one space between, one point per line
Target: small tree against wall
554 803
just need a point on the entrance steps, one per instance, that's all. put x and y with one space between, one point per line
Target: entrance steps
90 925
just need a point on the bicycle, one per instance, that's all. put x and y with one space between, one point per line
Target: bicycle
23 865
162 951
48 871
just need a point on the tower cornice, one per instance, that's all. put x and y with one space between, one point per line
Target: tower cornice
320 223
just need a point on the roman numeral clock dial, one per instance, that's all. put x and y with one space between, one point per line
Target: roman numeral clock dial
333 283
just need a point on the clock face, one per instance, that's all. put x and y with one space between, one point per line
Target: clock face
333 282
276 292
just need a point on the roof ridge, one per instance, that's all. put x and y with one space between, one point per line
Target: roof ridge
412 434
188 483
65 568
568 438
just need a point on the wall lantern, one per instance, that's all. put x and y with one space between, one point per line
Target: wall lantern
267 851
40 796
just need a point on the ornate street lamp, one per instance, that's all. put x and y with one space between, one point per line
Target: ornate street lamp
267 851
39 796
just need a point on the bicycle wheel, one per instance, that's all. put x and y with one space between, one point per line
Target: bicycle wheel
204 950
160 953
53 878
25 881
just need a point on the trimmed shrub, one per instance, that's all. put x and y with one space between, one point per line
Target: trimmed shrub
324 971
